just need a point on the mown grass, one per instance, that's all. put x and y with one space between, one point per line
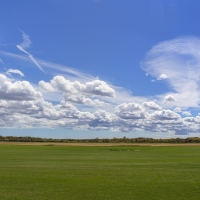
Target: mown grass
63 172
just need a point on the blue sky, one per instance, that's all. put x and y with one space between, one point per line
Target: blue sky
100 68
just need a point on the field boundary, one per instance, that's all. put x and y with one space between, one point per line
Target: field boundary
96 144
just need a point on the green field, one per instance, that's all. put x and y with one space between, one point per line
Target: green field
121 172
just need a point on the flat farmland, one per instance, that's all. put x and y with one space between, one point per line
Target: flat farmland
48 171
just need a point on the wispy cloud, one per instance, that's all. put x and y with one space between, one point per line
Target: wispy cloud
177 61
73 99
26 44
22 105
3 45
64 70
121 94
15 71
54 68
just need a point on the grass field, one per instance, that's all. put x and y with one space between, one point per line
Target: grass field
110 172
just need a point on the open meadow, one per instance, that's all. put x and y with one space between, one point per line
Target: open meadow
49 171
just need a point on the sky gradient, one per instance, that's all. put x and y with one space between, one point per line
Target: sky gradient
100 68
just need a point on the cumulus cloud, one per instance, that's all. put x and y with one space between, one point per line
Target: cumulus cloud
177 109
130 111
162 77
84 100
56 112
151 105
101 119
26 109
96 87
189 119
124 129
121 95
14 71
165 115
17 90
186 113
79 93
169 98
46 86
22 104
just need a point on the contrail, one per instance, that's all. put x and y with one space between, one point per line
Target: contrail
25 44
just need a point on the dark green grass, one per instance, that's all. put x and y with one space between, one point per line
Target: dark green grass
61 172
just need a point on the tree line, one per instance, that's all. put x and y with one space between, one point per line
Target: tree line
100 140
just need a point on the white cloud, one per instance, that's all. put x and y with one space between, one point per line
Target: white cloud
79 93
17 90
151 105
130 111
33 111
84 100
165 115
96 87
26 44
53 68
57 112
169 98
177 109
124 129
162 77
121 94
46 86
14 71
76 95
186 113
101 119
189 119
180 60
